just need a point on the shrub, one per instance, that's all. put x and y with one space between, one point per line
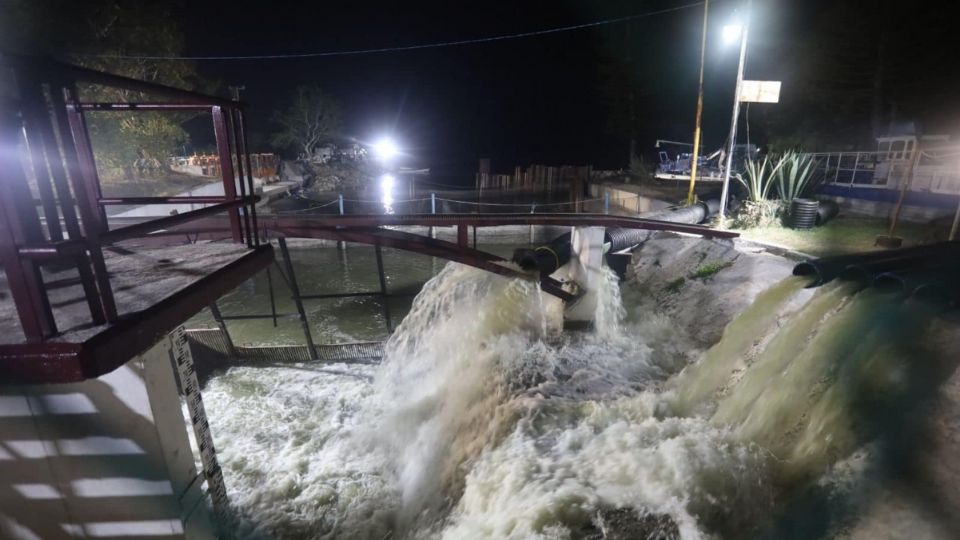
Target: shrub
796 176
675 285
710 269
759 178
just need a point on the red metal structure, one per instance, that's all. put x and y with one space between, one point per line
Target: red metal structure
62 226
65 270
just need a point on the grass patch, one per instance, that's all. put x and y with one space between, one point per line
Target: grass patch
675 285
709 269
844 235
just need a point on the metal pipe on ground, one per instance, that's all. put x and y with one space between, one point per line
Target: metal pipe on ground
867 265
826 211
936 285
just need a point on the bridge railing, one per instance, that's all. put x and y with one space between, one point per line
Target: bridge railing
433 204
933 170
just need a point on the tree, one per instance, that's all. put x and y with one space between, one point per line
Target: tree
312 119
75 32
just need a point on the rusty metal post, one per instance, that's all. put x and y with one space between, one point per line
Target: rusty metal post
273 302
88 180
297 299
24 278
238 171
34 141
217 316
384 296
251 185
222 135
82 171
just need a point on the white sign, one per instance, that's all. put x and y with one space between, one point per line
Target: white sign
760 91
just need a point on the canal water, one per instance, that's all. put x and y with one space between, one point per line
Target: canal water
328 270
486 420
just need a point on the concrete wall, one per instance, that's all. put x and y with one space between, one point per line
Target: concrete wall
867 208
109 457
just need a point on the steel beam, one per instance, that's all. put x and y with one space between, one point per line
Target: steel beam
295 289
108 201
222 134
384 300
56 362
146 227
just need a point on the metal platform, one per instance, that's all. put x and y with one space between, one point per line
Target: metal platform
77 300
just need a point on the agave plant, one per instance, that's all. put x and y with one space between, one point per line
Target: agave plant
759 178
795 175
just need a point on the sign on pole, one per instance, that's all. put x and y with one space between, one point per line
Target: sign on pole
760 91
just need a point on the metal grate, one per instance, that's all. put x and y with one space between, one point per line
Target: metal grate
205 342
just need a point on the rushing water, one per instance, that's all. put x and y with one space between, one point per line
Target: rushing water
485 420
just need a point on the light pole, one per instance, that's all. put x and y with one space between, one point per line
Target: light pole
736 112
696 130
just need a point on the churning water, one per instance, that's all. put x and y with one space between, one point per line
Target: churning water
485 420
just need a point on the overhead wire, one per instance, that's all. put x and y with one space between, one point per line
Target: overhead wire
401 48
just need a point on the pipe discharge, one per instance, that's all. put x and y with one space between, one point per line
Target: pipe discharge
551 256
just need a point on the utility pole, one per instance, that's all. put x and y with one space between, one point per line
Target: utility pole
235 91
696 131
736 113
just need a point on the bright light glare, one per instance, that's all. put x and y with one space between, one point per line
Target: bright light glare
385 149
386 187
731 33
386 183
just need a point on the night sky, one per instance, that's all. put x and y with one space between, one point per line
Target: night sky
542 99
848 68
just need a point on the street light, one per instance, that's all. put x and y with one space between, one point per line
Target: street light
731 33
736 104
385 149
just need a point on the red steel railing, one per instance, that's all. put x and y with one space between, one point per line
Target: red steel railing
43 126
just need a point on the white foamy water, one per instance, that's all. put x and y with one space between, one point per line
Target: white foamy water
485 421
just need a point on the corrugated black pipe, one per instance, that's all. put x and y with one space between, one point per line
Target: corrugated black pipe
938 285
803 213
621 239
826 211
547 258
867 265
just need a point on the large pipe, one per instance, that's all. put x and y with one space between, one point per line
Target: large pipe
547 258
551 256
621 239
866 266
938 285
826 211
